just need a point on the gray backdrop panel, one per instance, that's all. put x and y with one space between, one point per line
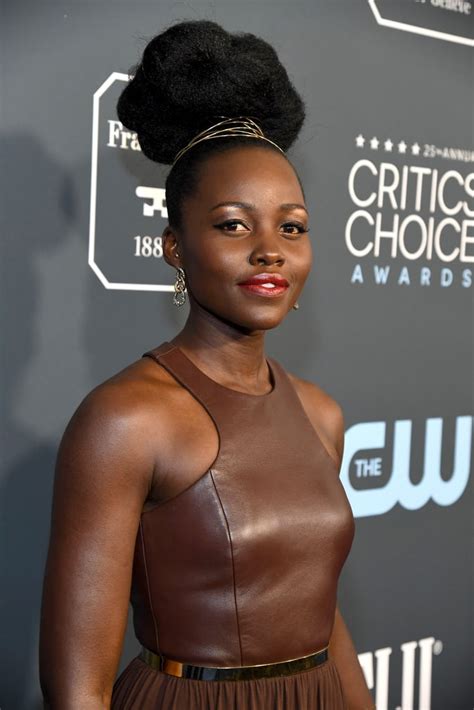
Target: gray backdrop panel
388 334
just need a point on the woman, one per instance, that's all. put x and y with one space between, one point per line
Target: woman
203 476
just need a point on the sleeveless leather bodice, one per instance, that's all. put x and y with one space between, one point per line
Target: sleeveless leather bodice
242 566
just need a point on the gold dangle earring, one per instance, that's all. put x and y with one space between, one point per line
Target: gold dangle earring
179 296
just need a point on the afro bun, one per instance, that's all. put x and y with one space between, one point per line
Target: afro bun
194 72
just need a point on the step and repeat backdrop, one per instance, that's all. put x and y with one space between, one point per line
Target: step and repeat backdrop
385 322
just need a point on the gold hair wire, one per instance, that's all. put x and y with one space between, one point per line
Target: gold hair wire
228 128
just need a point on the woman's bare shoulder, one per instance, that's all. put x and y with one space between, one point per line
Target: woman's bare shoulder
135 391
128 413
324 412
314 394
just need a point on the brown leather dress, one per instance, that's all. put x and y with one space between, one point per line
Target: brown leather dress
241 568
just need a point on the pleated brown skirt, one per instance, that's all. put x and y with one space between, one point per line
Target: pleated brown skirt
142 687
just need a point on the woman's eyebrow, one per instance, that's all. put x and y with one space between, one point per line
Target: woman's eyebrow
249 206
231 203
293 206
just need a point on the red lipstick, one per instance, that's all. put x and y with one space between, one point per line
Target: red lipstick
265 284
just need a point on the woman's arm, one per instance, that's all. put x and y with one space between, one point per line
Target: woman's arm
103 474
327 418
341 646
343 653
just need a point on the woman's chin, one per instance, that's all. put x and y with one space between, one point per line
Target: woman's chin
262 321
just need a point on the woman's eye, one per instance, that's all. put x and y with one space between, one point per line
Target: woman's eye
235 225
294 228
231 226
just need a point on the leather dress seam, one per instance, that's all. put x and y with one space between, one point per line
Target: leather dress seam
156 352
233 566
177 495
155 626
213 419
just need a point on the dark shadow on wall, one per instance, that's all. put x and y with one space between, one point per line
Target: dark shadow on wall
42 202
37 209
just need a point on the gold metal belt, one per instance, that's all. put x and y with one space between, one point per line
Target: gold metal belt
264 670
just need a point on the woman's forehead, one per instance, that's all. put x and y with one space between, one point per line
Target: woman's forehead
247 175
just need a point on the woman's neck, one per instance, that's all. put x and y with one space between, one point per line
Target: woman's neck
231 356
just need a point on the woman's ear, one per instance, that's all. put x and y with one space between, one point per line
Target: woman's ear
171 251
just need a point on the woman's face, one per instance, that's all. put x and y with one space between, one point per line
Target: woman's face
246 218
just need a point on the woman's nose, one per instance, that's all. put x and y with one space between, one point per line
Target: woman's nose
266 251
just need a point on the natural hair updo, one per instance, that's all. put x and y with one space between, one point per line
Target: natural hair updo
189 76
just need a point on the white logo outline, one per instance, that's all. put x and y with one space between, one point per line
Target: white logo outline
113 77
416 29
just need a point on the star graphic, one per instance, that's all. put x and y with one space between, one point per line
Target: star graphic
415 149
360 140
374 143
402 147
388 145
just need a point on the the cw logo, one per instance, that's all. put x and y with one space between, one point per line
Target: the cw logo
399 488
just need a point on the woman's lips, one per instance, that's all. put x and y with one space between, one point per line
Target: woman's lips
266 285
269 291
